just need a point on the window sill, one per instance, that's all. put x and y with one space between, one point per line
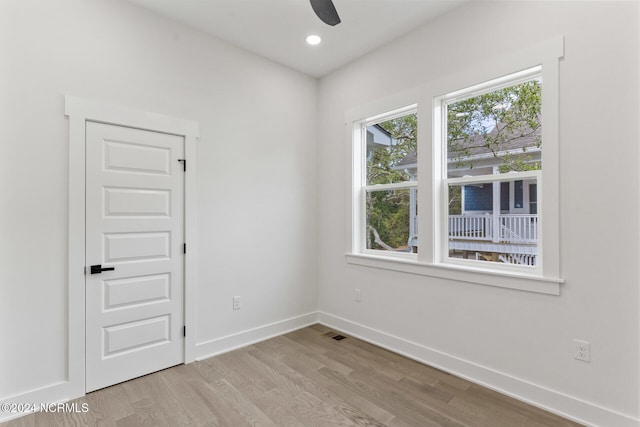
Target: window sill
510 280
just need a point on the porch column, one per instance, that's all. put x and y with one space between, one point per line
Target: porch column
496 209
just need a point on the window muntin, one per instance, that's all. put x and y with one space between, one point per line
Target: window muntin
388 217
492 162
545 277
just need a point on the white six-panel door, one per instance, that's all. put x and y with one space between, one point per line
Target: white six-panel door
134 230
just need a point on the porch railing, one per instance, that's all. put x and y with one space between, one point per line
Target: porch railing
470 227
511 228
518 228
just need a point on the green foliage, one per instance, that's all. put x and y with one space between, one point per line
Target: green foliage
484 123
455 200
381 167
388 211
492 120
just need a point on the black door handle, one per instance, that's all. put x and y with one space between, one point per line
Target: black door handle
97 269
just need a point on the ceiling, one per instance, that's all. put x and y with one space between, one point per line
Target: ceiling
276 29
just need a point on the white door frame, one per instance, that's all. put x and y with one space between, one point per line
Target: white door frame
80 111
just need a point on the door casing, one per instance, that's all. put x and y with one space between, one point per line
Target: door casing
79 111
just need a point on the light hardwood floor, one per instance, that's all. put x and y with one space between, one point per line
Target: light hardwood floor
304 378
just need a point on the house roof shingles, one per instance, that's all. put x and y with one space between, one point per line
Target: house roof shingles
476 146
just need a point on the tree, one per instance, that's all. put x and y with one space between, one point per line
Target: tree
487 123
490 123
381 167
388 211
492 120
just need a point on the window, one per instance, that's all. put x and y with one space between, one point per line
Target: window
491 147
479 149
387 187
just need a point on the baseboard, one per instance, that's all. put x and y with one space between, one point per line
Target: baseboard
550 400
553 401
231 342
53 393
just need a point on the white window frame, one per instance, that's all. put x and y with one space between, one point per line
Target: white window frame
428 261
361 187
440 150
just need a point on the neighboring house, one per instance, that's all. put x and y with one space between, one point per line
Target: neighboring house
378 137
472 232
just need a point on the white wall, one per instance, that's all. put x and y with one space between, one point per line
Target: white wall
516 341
257 158
256 170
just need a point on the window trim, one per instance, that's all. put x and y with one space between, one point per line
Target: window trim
359 180
476 276
440 103
546 54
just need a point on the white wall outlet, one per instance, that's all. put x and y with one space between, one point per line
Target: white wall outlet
236 303
582 350
358 299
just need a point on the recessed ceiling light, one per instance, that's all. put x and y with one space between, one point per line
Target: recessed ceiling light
314 39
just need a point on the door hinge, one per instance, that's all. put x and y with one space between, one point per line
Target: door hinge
184 248
184 331
184 164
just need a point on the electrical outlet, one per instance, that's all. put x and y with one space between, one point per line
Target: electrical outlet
582 350
236 303
358 299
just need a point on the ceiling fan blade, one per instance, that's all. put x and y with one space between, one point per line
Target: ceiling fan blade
326 11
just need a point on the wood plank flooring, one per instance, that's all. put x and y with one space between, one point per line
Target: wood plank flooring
304 378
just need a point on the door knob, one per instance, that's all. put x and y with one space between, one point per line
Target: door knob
97 269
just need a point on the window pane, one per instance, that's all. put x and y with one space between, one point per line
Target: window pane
517 194
392 220
508 234
496 132
391 150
